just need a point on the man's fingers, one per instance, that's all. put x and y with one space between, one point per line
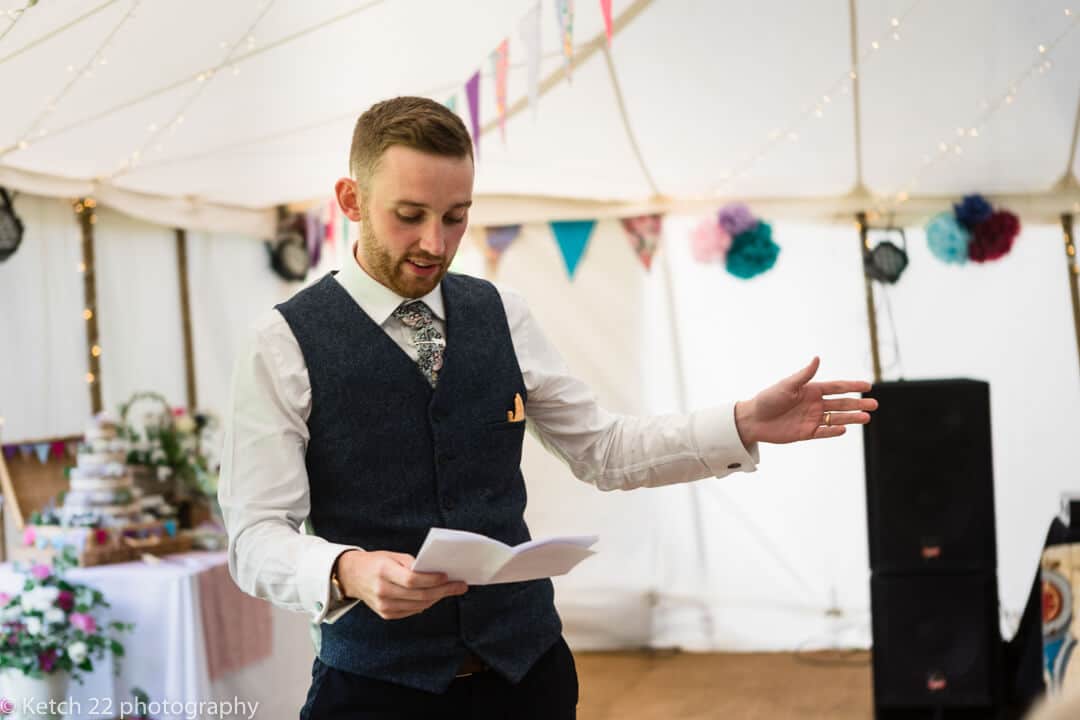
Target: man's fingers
829 432
839 387
846 418
399 573
866 404
391 590
806 374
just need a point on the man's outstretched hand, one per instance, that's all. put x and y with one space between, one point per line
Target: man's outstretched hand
794 409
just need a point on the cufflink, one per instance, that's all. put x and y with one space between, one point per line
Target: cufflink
318 606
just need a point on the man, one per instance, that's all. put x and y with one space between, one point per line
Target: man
392 397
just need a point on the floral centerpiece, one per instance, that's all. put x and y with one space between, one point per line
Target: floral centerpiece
172 441
53 625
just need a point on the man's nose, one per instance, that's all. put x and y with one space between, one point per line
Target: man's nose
433 241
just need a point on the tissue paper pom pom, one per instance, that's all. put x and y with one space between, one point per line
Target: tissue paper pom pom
736 218
994 237
948 239
709 242
972 210
752 252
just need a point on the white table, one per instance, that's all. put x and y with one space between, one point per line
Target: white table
165 654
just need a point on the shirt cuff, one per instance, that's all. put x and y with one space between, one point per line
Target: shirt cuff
315 569
717 439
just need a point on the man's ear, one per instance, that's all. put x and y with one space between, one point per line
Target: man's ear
348 197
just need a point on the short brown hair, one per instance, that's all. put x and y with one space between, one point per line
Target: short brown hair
415 122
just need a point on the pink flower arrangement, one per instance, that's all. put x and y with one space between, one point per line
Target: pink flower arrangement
84 622
40 572
65 600
28 536
47 659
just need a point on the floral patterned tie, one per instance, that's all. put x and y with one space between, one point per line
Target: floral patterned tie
426 337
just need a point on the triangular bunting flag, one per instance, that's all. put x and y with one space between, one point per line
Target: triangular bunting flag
643 232
26 451
451 102
605 8
572 236
564 9
472 91
9 451
500 61
42 452
72 448
57 450
530 38
496 239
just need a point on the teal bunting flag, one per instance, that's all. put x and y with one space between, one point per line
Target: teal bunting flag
572 237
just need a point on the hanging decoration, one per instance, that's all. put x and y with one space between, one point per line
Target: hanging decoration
605 8
497 238
289 256
42 451
564 10
752 252
709 242
11 227
644 232
974 230
472 92
572 237
500 61
735 237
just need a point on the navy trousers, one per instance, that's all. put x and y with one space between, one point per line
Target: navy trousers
549 691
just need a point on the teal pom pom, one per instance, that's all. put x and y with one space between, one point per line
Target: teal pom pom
948 239
752 252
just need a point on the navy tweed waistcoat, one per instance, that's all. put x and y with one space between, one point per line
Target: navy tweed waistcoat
389 457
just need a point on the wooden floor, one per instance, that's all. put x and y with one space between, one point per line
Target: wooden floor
753 686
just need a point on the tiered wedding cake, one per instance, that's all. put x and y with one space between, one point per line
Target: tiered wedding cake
102 490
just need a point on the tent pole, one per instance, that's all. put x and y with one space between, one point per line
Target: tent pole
871 309
185 318
1074 274
86 217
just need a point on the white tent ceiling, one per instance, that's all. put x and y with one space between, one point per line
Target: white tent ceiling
706 86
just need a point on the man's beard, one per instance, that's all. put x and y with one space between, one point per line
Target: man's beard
391 271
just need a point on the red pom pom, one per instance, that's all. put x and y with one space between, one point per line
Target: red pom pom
994 237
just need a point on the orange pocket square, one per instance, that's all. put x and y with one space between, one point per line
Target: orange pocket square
518 414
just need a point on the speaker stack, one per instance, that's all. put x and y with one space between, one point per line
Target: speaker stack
933 557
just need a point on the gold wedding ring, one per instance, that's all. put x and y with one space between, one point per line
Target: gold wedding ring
828 418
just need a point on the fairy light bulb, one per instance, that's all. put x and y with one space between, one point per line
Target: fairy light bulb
87 314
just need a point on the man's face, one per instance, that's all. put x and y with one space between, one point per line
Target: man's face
413 216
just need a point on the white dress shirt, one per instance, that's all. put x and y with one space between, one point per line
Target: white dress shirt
264 490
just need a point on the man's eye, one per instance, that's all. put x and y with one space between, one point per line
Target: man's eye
450 220
410 218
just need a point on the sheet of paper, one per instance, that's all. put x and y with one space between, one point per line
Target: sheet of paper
461 555
480 560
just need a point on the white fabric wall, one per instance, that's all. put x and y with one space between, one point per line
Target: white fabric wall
748 562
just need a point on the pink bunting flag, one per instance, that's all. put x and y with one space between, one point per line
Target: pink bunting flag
605 8
500 61
57 450
564 9
472 91
643 232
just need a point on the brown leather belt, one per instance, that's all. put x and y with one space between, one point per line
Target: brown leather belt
471 665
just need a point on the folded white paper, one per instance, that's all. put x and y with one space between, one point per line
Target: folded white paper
480 560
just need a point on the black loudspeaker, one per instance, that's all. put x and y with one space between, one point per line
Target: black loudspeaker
929 477
936 641
933 591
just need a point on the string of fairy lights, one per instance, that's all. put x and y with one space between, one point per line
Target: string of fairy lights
86 71
967 135
16 14
817 107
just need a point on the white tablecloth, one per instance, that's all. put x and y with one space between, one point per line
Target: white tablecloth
165 654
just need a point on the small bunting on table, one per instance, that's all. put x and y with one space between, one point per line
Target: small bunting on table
564 9
42 452
72 448
26 451
57 450
472 92
643 232
530 38
572 237
500 62
9 451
